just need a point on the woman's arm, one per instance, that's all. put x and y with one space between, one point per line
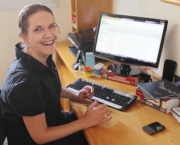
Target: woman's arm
41 133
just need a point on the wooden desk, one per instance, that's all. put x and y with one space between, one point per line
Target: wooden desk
125 127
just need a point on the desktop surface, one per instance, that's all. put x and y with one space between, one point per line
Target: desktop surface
125 127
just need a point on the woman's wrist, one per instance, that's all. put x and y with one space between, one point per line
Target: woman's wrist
76 96
83 123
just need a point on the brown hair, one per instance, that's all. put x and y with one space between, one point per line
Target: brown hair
28 11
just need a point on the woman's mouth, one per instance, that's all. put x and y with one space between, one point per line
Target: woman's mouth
48 42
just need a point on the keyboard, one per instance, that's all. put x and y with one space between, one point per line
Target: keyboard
111 97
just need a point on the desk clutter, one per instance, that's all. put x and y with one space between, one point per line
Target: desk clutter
163 105
129 80
98 68
88 71
161 95
105 73
159 89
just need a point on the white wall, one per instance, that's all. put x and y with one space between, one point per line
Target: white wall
147 8
157 9
9 33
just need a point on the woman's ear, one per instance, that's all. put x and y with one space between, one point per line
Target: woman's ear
22 36
24 39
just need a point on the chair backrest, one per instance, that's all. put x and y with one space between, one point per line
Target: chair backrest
2 127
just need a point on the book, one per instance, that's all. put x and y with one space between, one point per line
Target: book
159 89
164 105
176 113
105 74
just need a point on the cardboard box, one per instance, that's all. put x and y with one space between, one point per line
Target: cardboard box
163 105
105 74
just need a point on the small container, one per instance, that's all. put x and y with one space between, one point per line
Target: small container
98 68
81 66
88 71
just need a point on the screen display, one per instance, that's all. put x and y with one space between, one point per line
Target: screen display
130 39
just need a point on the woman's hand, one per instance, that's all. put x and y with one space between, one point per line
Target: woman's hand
96 115
86 93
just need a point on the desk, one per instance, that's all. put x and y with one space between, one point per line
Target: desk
125 127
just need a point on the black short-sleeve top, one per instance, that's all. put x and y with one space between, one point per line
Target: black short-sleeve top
29 89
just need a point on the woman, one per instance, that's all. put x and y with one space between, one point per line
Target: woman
32 89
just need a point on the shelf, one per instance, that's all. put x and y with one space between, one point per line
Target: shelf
74 25
174 2
74 13
86 12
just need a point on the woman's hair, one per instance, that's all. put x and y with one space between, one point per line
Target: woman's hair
26 12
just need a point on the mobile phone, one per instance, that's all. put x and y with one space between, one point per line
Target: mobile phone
153 128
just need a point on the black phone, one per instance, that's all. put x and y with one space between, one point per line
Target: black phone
153 128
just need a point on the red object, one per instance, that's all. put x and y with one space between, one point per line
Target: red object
139 93
74 19
88 68
105 74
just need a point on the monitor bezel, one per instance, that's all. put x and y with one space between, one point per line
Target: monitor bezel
124 60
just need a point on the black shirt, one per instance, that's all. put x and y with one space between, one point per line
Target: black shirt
29 89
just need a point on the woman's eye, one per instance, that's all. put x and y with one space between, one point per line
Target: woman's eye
53 25
38 29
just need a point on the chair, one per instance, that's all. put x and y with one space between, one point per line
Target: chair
2 129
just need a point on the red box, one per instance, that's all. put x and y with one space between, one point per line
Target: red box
105 74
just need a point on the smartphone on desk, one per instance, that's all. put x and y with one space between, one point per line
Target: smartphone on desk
153 128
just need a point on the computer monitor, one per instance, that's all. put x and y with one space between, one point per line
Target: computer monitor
129 40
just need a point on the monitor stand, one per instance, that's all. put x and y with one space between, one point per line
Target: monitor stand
124 69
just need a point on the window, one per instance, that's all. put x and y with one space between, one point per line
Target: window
18 4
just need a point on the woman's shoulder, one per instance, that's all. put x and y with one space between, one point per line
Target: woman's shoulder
18 75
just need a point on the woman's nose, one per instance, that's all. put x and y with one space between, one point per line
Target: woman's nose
47 33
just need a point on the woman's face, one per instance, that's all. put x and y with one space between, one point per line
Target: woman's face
42 34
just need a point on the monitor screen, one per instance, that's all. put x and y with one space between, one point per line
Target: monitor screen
130 40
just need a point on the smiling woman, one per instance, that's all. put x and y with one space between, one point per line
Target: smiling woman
32 88
10 5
